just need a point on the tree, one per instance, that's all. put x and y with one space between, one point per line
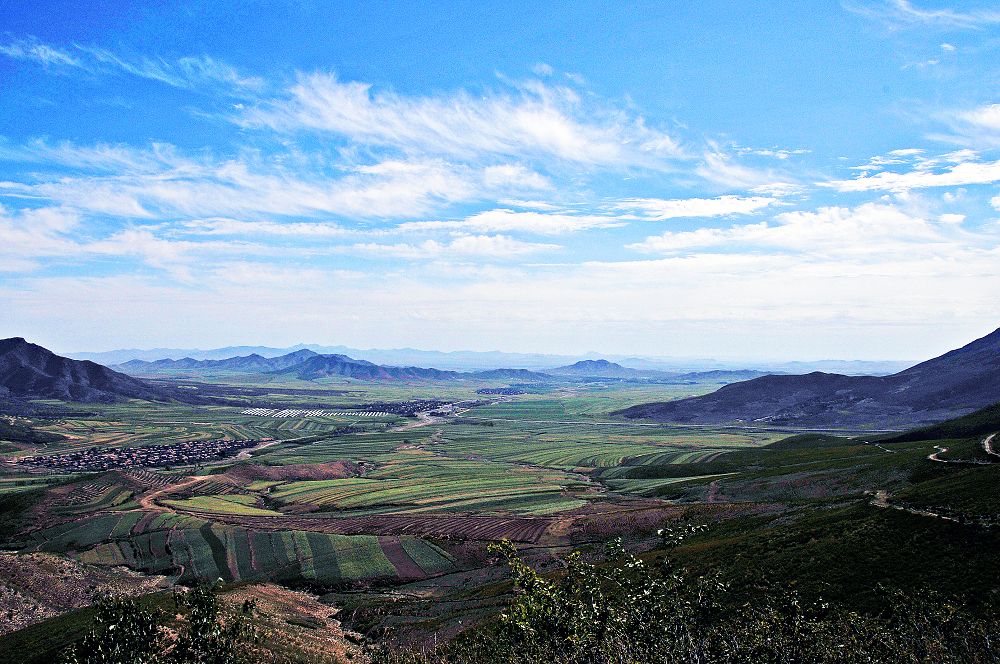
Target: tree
125 632
622 610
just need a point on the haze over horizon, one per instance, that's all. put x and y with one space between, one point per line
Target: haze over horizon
722 181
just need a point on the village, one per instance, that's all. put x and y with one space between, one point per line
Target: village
176 454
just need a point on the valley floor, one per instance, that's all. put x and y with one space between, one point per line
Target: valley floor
386 520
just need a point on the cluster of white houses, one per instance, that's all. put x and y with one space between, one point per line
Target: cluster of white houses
109 458
274 412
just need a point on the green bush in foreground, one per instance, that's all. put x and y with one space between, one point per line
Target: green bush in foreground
126 633
626 612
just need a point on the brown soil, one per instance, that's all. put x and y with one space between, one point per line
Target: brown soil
294 624
332 470
36 586
406 568
517 529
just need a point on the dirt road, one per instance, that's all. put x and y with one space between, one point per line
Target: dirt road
147 502
881 500
988 446
423 420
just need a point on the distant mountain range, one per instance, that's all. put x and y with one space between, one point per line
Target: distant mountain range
604 369
308 365
613 370
28 371
326 366
484 360
254 363
953 384
455 361
301 364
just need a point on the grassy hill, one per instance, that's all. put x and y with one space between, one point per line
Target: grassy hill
980 423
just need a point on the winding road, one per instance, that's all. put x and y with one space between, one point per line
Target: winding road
881 500
148 502
987 445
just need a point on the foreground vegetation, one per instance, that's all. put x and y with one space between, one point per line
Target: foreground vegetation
617 610
125 632
626 611
819 545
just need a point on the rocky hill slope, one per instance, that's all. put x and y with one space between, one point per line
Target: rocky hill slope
953 384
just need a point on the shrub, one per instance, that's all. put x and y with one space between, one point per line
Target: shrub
127 633
625 611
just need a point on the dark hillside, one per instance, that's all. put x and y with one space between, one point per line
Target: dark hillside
951 385
28 371
325 366
252 363
980 423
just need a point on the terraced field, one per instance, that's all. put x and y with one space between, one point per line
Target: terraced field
328 506
21 483
194 548
221 504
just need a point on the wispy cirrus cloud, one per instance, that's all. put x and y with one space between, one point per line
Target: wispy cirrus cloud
962 172
480 246
658 209
238 227
32 49
521 124
872 230
533 120
27 235
30 238
977 127
506 221
904 13
188 72
721 167
161 181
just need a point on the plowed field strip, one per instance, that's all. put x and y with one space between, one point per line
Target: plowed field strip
405 566
519 529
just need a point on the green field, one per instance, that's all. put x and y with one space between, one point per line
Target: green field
411 503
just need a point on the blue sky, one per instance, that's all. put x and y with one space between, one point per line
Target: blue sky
740 180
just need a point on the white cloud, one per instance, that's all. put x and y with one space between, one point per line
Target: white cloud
987 117
959 174
483 246
100 157
29 234
160 182
509 221
532 205
875 231
659 209
314 230
534 120
718 167
189 72
505 177
776 153
32 238
977 127
902 13
42 53
827 305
